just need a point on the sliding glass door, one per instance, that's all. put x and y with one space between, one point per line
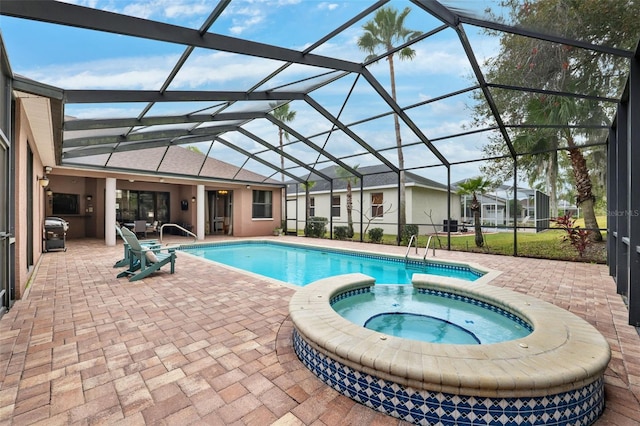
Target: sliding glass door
142 205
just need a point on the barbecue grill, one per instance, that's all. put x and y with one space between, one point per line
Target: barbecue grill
55 233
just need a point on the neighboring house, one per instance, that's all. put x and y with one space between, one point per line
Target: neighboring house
565 207
377 203
497 207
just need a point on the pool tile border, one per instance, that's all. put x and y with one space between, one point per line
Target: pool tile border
578 407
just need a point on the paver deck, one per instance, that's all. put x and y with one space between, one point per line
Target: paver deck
209 345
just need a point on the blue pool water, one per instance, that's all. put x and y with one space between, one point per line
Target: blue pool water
301 265
420 314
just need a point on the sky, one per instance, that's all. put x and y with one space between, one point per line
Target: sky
72 58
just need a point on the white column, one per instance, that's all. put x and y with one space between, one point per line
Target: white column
200 200
110 212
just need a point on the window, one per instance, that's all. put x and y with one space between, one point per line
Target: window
66 204
262 204
142 205
312 206
377 209
335 206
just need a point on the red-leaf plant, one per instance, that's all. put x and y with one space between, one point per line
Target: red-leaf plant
579 238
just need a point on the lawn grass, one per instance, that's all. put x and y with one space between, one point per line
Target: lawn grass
548 244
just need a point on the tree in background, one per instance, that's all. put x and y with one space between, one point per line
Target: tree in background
350 179
565 122
284 114
473 187
194 148
385 31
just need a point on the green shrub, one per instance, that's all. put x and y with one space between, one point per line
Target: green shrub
407 232
341 232
316 227
375 235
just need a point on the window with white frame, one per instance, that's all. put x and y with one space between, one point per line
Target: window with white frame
377 208
335 206
262 204
312 206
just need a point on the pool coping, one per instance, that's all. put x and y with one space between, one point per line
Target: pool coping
563 352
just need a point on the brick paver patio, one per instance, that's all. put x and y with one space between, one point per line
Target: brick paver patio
212 346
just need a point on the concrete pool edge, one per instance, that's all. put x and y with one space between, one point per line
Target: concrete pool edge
564 355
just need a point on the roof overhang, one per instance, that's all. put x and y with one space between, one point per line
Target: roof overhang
38 111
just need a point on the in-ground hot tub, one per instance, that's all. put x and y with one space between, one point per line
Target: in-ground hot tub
552 376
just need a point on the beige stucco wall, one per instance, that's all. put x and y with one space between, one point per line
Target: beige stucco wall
23 140
418 200
424 201
243 224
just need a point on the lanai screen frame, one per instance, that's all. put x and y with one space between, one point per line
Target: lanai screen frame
92 19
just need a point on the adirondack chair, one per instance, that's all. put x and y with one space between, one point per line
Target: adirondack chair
153 244
146 260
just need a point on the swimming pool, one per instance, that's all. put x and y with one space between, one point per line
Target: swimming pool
301 265
429 316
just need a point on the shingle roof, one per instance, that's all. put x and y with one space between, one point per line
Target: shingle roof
182 161
374 176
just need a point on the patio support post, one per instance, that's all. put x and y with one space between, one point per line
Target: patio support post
622 193
515 206
362 209
399 234
612 198
200 200
633 200
110 212
448 210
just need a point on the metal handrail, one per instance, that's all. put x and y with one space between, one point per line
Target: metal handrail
195 237
426 249
412 239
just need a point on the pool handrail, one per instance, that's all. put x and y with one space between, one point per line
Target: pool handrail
411 240
195 237
426 249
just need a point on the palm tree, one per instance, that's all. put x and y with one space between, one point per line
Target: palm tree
347 176
473 187
564 110
385 30
285 115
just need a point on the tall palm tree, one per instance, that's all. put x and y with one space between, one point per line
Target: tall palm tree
284 114
565 110
384 31
349 178
474 186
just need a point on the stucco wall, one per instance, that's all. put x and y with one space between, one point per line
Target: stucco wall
424 201
243 223
23 139
418 200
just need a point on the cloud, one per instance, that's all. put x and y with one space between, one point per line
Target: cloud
147 73
327 6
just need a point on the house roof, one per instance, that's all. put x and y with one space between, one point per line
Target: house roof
372 177
180 161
